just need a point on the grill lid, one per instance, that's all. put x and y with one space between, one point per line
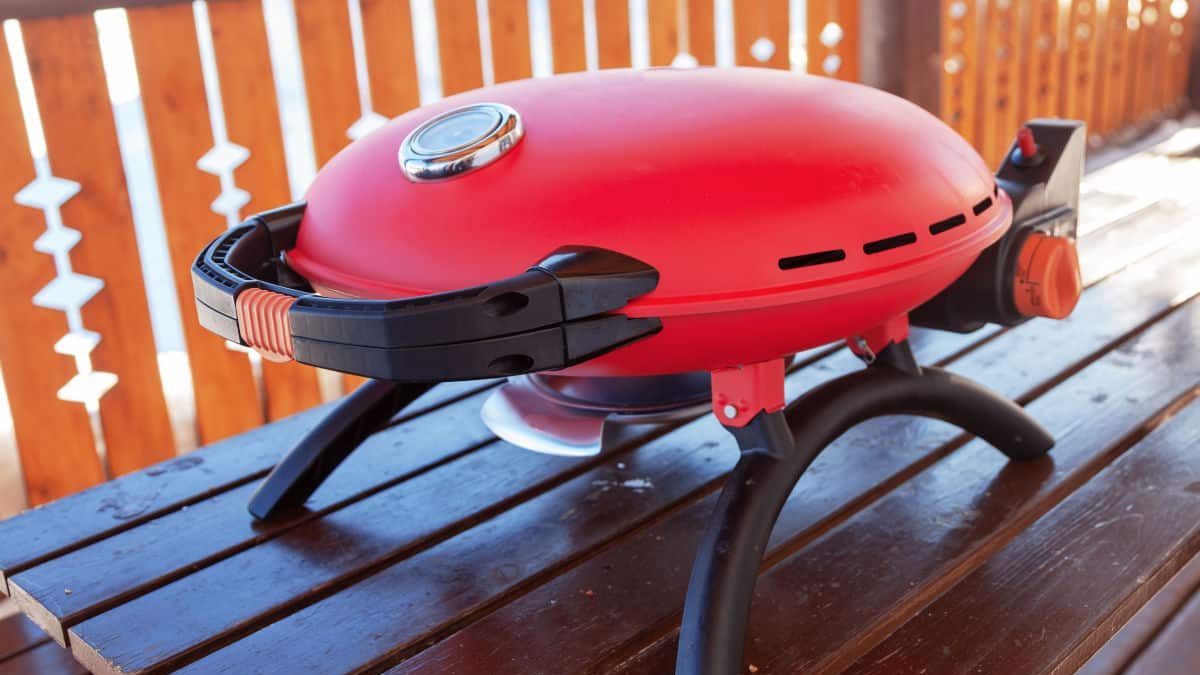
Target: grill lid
744 188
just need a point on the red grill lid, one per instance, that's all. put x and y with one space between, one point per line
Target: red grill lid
781 211
712 176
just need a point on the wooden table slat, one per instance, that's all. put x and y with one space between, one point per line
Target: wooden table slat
85 517
1152 229
63 590
18 634
1175 651
47 659
1136 635
1091 561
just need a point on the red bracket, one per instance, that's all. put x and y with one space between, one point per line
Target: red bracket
867 344
740 393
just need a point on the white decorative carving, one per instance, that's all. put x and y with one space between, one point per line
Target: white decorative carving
60 239
763 49
230 202
87 388
831 34
684 60
221 161
225 156
69 291
366 124
684 57
77 342
831 64
47 192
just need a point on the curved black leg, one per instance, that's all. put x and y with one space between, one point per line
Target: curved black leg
776 448
362 413
726 566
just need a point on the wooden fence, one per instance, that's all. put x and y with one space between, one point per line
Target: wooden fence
74 322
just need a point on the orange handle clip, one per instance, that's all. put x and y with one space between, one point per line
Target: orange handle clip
263 322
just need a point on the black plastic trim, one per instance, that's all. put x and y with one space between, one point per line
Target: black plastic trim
547 348
525 302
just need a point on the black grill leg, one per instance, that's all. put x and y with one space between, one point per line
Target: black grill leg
362 413
726 567
776 448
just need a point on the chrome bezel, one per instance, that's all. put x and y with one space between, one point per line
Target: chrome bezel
421 165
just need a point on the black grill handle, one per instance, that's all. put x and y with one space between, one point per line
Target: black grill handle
555 314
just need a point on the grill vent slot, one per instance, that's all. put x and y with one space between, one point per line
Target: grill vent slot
811 259
881 245
947 224
982 206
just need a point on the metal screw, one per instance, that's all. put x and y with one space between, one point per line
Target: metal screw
730 411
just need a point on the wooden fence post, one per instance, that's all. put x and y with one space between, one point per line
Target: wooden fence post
900 50
1193 25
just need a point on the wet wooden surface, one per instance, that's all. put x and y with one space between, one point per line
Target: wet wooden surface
907 548
25 650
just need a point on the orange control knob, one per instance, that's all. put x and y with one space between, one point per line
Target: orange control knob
1047 280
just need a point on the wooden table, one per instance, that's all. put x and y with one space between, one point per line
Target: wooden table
907 548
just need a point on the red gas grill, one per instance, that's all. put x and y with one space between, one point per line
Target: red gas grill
633 247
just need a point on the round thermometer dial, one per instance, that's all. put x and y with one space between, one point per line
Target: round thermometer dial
459 141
